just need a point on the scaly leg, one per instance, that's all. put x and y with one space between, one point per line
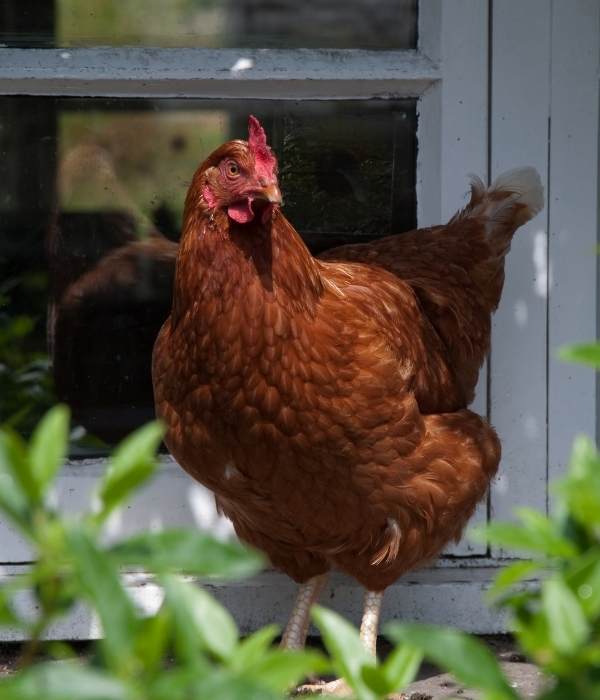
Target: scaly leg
294 636
368 634
370 620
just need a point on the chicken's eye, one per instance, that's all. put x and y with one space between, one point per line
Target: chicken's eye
233 168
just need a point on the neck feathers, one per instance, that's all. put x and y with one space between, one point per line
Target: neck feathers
223 268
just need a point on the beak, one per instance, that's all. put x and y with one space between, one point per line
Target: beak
271 193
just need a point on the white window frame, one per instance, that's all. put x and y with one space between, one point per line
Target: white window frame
486 95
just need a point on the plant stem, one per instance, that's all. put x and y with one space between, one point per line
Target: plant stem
33 644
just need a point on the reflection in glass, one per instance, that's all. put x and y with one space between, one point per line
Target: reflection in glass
367 24
91 195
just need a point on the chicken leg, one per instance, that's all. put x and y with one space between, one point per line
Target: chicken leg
370 620
368 635
296 630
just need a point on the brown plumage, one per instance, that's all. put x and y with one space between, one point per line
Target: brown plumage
324 400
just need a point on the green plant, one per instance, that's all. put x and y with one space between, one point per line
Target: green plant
190 648
368 678
556 620
26 389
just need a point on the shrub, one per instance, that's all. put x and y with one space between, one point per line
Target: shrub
190 648
556 621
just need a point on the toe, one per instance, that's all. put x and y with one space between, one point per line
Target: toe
338 689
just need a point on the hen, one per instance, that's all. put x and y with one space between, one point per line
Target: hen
324 400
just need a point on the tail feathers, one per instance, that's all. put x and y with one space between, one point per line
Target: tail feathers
514 198
525 184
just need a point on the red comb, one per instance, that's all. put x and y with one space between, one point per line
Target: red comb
256 134
257 141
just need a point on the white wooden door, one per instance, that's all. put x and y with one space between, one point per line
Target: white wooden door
499 85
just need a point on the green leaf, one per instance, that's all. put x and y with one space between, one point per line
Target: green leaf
48 446
221 685
464 656
511 574
187 551
401 666
585 460
250 650
14 462
279 670
583 577
176 683
63 681
8 616
13 503
152 640
536 534
580 490
346 649
531 630
102 587
584 353
376 680
567 625
201 621
132 463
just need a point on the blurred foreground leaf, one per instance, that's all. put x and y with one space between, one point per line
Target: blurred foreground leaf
132 463
49 444
583 353
464 656
64 681
203 623
348 654
567 624
187 552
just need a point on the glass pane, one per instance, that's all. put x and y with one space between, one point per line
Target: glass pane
369 24
91 196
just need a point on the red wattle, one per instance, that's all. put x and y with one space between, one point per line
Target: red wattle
241 212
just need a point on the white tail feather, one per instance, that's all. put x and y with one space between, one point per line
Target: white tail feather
526 184
514 198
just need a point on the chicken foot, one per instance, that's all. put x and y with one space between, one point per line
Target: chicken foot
296 630
368 635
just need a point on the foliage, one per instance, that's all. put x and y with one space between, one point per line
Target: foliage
190 648
556 621
369 679
25 383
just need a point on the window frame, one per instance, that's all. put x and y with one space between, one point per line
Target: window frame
477 111
451 133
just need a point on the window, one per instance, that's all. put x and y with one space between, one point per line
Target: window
86 179
108 108
392 100
357 24
103 244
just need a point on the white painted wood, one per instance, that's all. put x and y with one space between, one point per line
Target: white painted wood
429 114
454 597
267 73
520 99
544 68
573 212
453 134
453 114
170 499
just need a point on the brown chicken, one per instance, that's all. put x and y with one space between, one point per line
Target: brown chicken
324 400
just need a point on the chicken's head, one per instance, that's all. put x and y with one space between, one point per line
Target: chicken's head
242 178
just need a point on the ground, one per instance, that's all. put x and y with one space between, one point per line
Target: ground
431 685
525 678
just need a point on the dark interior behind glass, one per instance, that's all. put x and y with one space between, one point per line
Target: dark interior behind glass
91 194
364 24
